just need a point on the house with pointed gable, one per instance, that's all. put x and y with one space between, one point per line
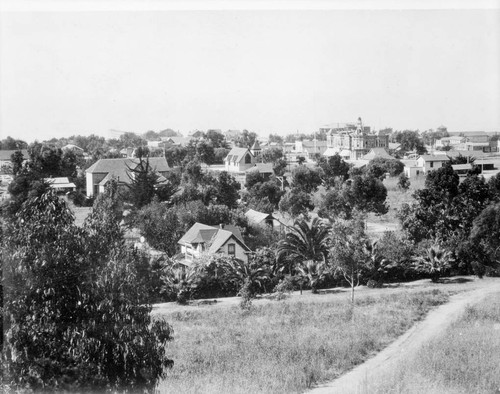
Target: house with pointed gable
102 171
201 238
241 161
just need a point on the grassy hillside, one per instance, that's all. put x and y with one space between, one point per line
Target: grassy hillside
285 346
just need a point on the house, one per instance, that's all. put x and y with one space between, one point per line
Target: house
424 164
257 218
101 172
60 184
201 238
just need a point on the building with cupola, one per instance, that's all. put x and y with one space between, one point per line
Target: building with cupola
353 141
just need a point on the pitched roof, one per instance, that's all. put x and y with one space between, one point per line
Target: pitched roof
121 165
198 233
256 216
376 153
59 182
255 146
435 157
237 154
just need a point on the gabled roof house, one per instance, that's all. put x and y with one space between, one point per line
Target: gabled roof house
201 238
101 172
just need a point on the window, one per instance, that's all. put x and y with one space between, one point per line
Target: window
248 159
231 249
432 164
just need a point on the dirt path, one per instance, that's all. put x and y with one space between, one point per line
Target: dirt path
435 323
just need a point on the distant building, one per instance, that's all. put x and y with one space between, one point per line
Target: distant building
424 164
239 162
60 184
104 170
201 238
352 142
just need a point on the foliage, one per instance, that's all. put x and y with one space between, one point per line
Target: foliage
264 196
334 170
10 143
346 254
143 183
410 141
75 311
227 190
391 166
314 271
305 179
181 281
485 236
304 241
296 202
436 262
403 181
445 210
360 193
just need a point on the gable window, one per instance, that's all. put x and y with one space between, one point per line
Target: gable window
248 159
231 249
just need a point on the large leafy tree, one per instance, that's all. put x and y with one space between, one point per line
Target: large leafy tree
76 318
362 193
305 179
296 202
334 170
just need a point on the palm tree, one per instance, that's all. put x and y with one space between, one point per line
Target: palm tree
314 271
434 262
303 242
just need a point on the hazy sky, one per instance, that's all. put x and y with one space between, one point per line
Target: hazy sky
65 73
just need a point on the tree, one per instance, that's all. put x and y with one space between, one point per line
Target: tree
160 226
335 170
346 255
485 235
303 242
227 190
17 159
216 139
296 202
360 193
436 261
272 155
410 141
305 179
143 183
75 322
10 143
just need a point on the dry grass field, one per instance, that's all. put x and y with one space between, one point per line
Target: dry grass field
289 346
465 359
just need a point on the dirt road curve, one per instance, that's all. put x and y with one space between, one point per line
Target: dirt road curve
435 323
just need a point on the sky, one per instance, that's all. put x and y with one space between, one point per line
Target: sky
270 71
